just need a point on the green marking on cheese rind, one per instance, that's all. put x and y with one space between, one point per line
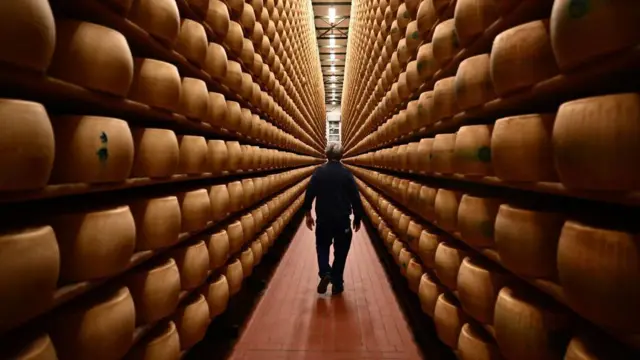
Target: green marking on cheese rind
415 35
484 154
578 8
103 154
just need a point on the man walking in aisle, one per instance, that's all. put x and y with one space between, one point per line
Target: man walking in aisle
334 189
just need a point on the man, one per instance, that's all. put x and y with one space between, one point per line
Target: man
336 194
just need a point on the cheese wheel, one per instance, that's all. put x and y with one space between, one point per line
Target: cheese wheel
234 156
258 252
100 327
414 274
594 346
403 260
425 147
217 294
617 21
158 222
216 110
193 264
478 285
199 7
445 42
448 318
521 148
155 290
427 245
472 17
193 155
233 79
446 207
104 66
472 152
233 117
527 240
192 320
428 292
599 273
396 250
236 236
475 344
426 17
515 67
215 63
219 247
473 86
27 145
94 244
249 193
30 346
218 18
236 196
234 276
156 83
195 208
528 328
34 21
30 265
217 154
448 259
162 343
192 42
248 227
426 201
156 153
444 99
441 160
476 219
194 99
234 38
235 6
247 259
591 154
160 18
219 199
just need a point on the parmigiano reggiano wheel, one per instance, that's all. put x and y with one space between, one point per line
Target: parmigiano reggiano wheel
528 328
587 345
234 276
472 154
247 259
199 7
403 260
217 294
476 219
475 344
447 264
428 292
233 117
33 20
473 84
160 18
233 79
195 208
215 63
472 17
156 83
235 6
162 343
219 198
527 240
193 155
444 99
478 287
236 236
100 327
236 196
234 37
249 193
155 290
158 222
248 228
521 148
426 201
95 244
593 154
424 154
156 153
426 17
445 42
219 247
30 346
192 320
446 207
572 23
192 42
26 143
448 318
193 263
515 67
29 268
217 110
442 153
105 65
258 252
234 156
217 156
599 273
414 274
194 99
396 249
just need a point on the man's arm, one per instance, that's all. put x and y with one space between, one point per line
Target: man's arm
356 202
309 196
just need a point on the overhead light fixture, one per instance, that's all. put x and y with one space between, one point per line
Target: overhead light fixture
333 86
332 56
333 68
332 42
333 78
332 15
333 103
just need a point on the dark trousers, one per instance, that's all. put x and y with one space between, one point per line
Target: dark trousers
339 234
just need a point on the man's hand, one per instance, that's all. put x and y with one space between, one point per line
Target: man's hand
310 222
356 226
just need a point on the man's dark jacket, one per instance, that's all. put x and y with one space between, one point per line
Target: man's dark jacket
336 194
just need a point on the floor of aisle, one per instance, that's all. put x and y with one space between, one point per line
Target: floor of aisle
292 321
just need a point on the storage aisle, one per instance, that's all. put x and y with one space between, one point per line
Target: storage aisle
292 321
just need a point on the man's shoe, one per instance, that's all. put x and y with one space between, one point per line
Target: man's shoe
324 283
337 290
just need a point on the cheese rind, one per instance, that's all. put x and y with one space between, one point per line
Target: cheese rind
156 153
192 41
217 294
158 222
448 318
163 342
194 99
155 291
192 320
157 84
160 18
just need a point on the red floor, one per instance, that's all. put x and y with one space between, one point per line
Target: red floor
291 321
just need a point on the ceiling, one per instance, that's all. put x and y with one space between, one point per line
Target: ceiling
332 58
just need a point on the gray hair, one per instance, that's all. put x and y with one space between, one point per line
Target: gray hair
333 151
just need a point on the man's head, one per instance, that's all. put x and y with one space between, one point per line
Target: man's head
333 152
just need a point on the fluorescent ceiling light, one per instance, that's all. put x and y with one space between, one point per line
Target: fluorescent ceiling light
333 86
333 68
332 15
332 57
333 78
332 42
333 103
